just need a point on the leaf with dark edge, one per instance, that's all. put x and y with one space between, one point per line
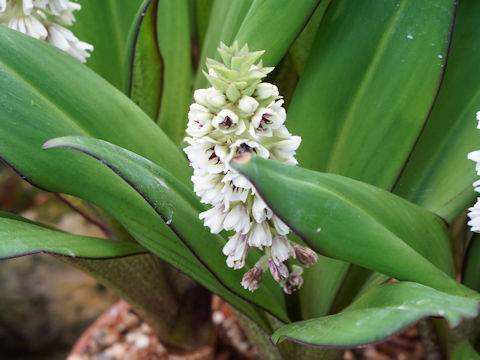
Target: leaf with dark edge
43 100
357 222
125 267
111 27
285 19
173 36
146 76
179 207
377 314
438 175
368 86
20 237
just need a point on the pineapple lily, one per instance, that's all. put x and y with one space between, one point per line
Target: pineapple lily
382 95
238 114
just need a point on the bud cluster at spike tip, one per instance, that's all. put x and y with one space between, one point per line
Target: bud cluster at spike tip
238 114
32 17
474 211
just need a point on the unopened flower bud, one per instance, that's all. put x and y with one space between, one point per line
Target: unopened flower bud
293 283
305 256
247 104
252 278
279 271
265 91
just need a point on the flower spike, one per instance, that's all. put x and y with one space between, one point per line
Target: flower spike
241 114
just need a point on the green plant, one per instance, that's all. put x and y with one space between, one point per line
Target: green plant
383 95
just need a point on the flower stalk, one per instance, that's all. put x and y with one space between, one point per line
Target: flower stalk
240 114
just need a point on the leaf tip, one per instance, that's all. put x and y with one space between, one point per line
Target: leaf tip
242 158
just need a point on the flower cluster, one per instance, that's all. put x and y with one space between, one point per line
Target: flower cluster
240 113
32 17
474 213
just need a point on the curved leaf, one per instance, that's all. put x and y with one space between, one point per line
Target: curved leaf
471 270
146 84
179 207
110 26
20 237
173 34
273 25
225 20
377 314
368 86
465 350
125 267
40 100
357 222
438 175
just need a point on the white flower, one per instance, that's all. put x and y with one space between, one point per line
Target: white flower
226 121
281 249
240 114
247 104
265 91
213 218
474 211
29 25
65 40
260 211
210 97
474 215
238 219
260 235
36 18
236 250
280 226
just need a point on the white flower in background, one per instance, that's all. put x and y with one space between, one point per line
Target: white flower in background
474 213
40 19
238 114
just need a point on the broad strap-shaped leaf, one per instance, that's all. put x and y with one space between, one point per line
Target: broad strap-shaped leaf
173 36
125 267
471 265
378 314
110 26
273 25
368 86
179 208
40 100
20 237
146 78
438 175
225 19
357 222
465 351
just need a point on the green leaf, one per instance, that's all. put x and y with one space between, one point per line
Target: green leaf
368 86
173 33
378 314
438 175
19 237
178 206
225 20
465 351
44 101
302 46
146 83
203 9
110 26
357 222
125 267
471 270
273 25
